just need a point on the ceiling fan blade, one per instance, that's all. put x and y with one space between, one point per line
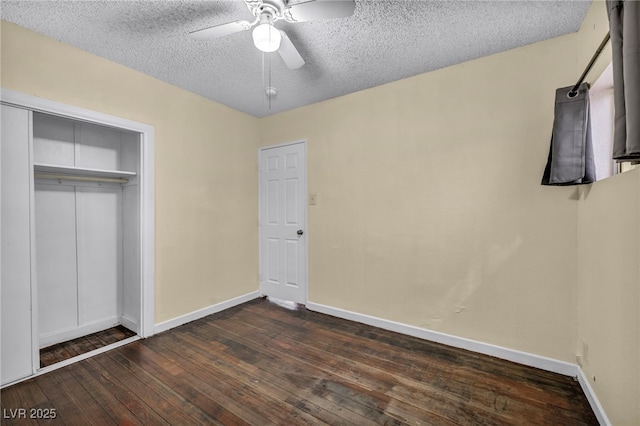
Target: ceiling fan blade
320 9
220 30
289 53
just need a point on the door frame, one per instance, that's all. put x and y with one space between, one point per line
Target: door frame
147 199
305 210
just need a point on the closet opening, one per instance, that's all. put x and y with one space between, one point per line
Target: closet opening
77 255
86 210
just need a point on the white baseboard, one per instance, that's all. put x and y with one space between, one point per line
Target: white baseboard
129 323
74 333
524 358
200 313
597 408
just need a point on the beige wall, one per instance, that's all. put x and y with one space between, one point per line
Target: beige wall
430 210
609 293
204 163
609 272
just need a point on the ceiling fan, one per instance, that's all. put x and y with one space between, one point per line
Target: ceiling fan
266 36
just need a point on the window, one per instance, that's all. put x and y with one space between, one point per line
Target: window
602 112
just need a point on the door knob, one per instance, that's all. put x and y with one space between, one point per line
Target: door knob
300 232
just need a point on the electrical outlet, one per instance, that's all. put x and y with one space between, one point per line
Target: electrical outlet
312 199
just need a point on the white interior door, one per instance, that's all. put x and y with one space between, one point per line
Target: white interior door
15 257
79 260
283 217
55 217
99 224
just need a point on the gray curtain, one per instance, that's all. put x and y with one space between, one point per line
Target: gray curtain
570 159
624 23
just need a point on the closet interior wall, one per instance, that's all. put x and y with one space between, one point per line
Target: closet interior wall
86 231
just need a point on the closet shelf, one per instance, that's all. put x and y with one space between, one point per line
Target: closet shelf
80 171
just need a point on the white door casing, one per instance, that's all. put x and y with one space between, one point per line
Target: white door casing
283 222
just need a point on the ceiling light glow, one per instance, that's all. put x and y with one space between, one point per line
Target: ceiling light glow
266 37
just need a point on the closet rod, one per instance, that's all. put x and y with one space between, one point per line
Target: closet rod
81 178
594 58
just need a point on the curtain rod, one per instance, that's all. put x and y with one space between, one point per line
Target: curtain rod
79 178
574 90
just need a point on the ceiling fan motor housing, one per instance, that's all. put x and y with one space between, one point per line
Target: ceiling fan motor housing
274 8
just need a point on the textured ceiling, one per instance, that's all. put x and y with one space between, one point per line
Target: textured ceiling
383 41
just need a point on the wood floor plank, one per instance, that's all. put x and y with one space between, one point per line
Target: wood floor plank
110 380
96 388
205 396
374 395
262 380
351 358
272 409
166 403
16 407
73 405
260 364
522 397
298 364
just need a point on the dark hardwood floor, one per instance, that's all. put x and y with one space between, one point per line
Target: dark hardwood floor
66 350
262 364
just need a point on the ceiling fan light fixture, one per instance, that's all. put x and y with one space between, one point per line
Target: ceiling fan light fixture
266 37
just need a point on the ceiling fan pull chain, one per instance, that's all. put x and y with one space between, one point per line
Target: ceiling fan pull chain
262 71
269 81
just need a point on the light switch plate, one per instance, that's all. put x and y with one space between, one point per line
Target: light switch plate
312 199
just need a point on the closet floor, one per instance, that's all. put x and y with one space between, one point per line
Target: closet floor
65 350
